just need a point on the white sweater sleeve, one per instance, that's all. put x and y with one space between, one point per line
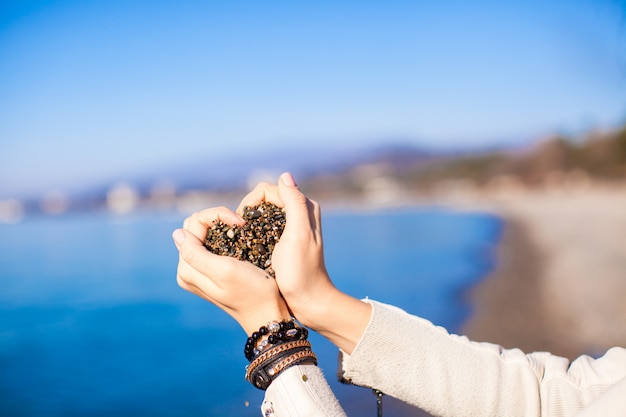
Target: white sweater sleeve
413 360
301 391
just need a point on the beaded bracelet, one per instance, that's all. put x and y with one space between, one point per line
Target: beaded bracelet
277 332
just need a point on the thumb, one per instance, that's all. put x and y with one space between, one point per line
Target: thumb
296 204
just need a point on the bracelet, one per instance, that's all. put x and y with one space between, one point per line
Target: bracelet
294 359
277 332
281 350
265 373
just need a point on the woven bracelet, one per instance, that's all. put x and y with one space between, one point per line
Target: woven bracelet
265 373
276 352
291 360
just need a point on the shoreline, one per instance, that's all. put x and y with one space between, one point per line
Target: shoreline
560 280
508 306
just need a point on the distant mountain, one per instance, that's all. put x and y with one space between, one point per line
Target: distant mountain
341 169
234 172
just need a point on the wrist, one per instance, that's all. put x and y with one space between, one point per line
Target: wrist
311 305
267 364
339 317
272 334
261 318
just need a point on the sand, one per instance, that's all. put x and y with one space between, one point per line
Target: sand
560 282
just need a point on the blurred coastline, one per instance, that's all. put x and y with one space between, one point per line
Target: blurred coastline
389 175
559 285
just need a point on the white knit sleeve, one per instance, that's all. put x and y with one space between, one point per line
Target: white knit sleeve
413 360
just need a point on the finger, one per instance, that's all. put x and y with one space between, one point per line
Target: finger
200 222
195 255
193 281
316 217
300 211
262 192
216 267
189 278
205 290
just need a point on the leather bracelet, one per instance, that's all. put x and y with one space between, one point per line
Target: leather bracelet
274 351
291 360
264 374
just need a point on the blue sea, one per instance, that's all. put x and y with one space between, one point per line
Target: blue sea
92 322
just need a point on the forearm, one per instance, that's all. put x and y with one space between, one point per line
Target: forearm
408 358
411 359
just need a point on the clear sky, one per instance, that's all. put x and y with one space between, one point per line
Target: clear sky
89 89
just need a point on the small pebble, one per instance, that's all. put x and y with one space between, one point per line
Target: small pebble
254 241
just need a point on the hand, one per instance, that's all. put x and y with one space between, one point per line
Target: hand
298 261
239 288
298 258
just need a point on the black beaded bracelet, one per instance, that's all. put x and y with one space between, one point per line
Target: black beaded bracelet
278 332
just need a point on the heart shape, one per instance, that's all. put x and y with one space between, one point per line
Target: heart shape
253 241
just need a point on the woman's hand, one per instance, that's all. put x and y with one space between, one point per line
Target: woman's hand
298 261
239 288
298 257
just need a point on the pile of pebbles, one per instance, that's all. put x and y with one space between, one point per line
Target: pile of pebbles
254 241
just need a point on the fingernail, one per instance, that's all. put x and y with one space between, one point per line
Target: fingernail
179 236
287 179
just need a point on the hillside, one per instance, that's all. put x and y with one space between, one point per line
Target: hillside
557 162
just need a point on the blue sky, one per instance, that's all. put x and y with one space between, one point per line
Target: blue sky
95 89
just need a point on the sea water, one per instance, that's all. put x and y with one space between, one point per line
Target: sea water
93 323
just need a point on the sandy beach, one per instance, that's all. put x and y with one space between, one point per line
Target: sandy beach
560 282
